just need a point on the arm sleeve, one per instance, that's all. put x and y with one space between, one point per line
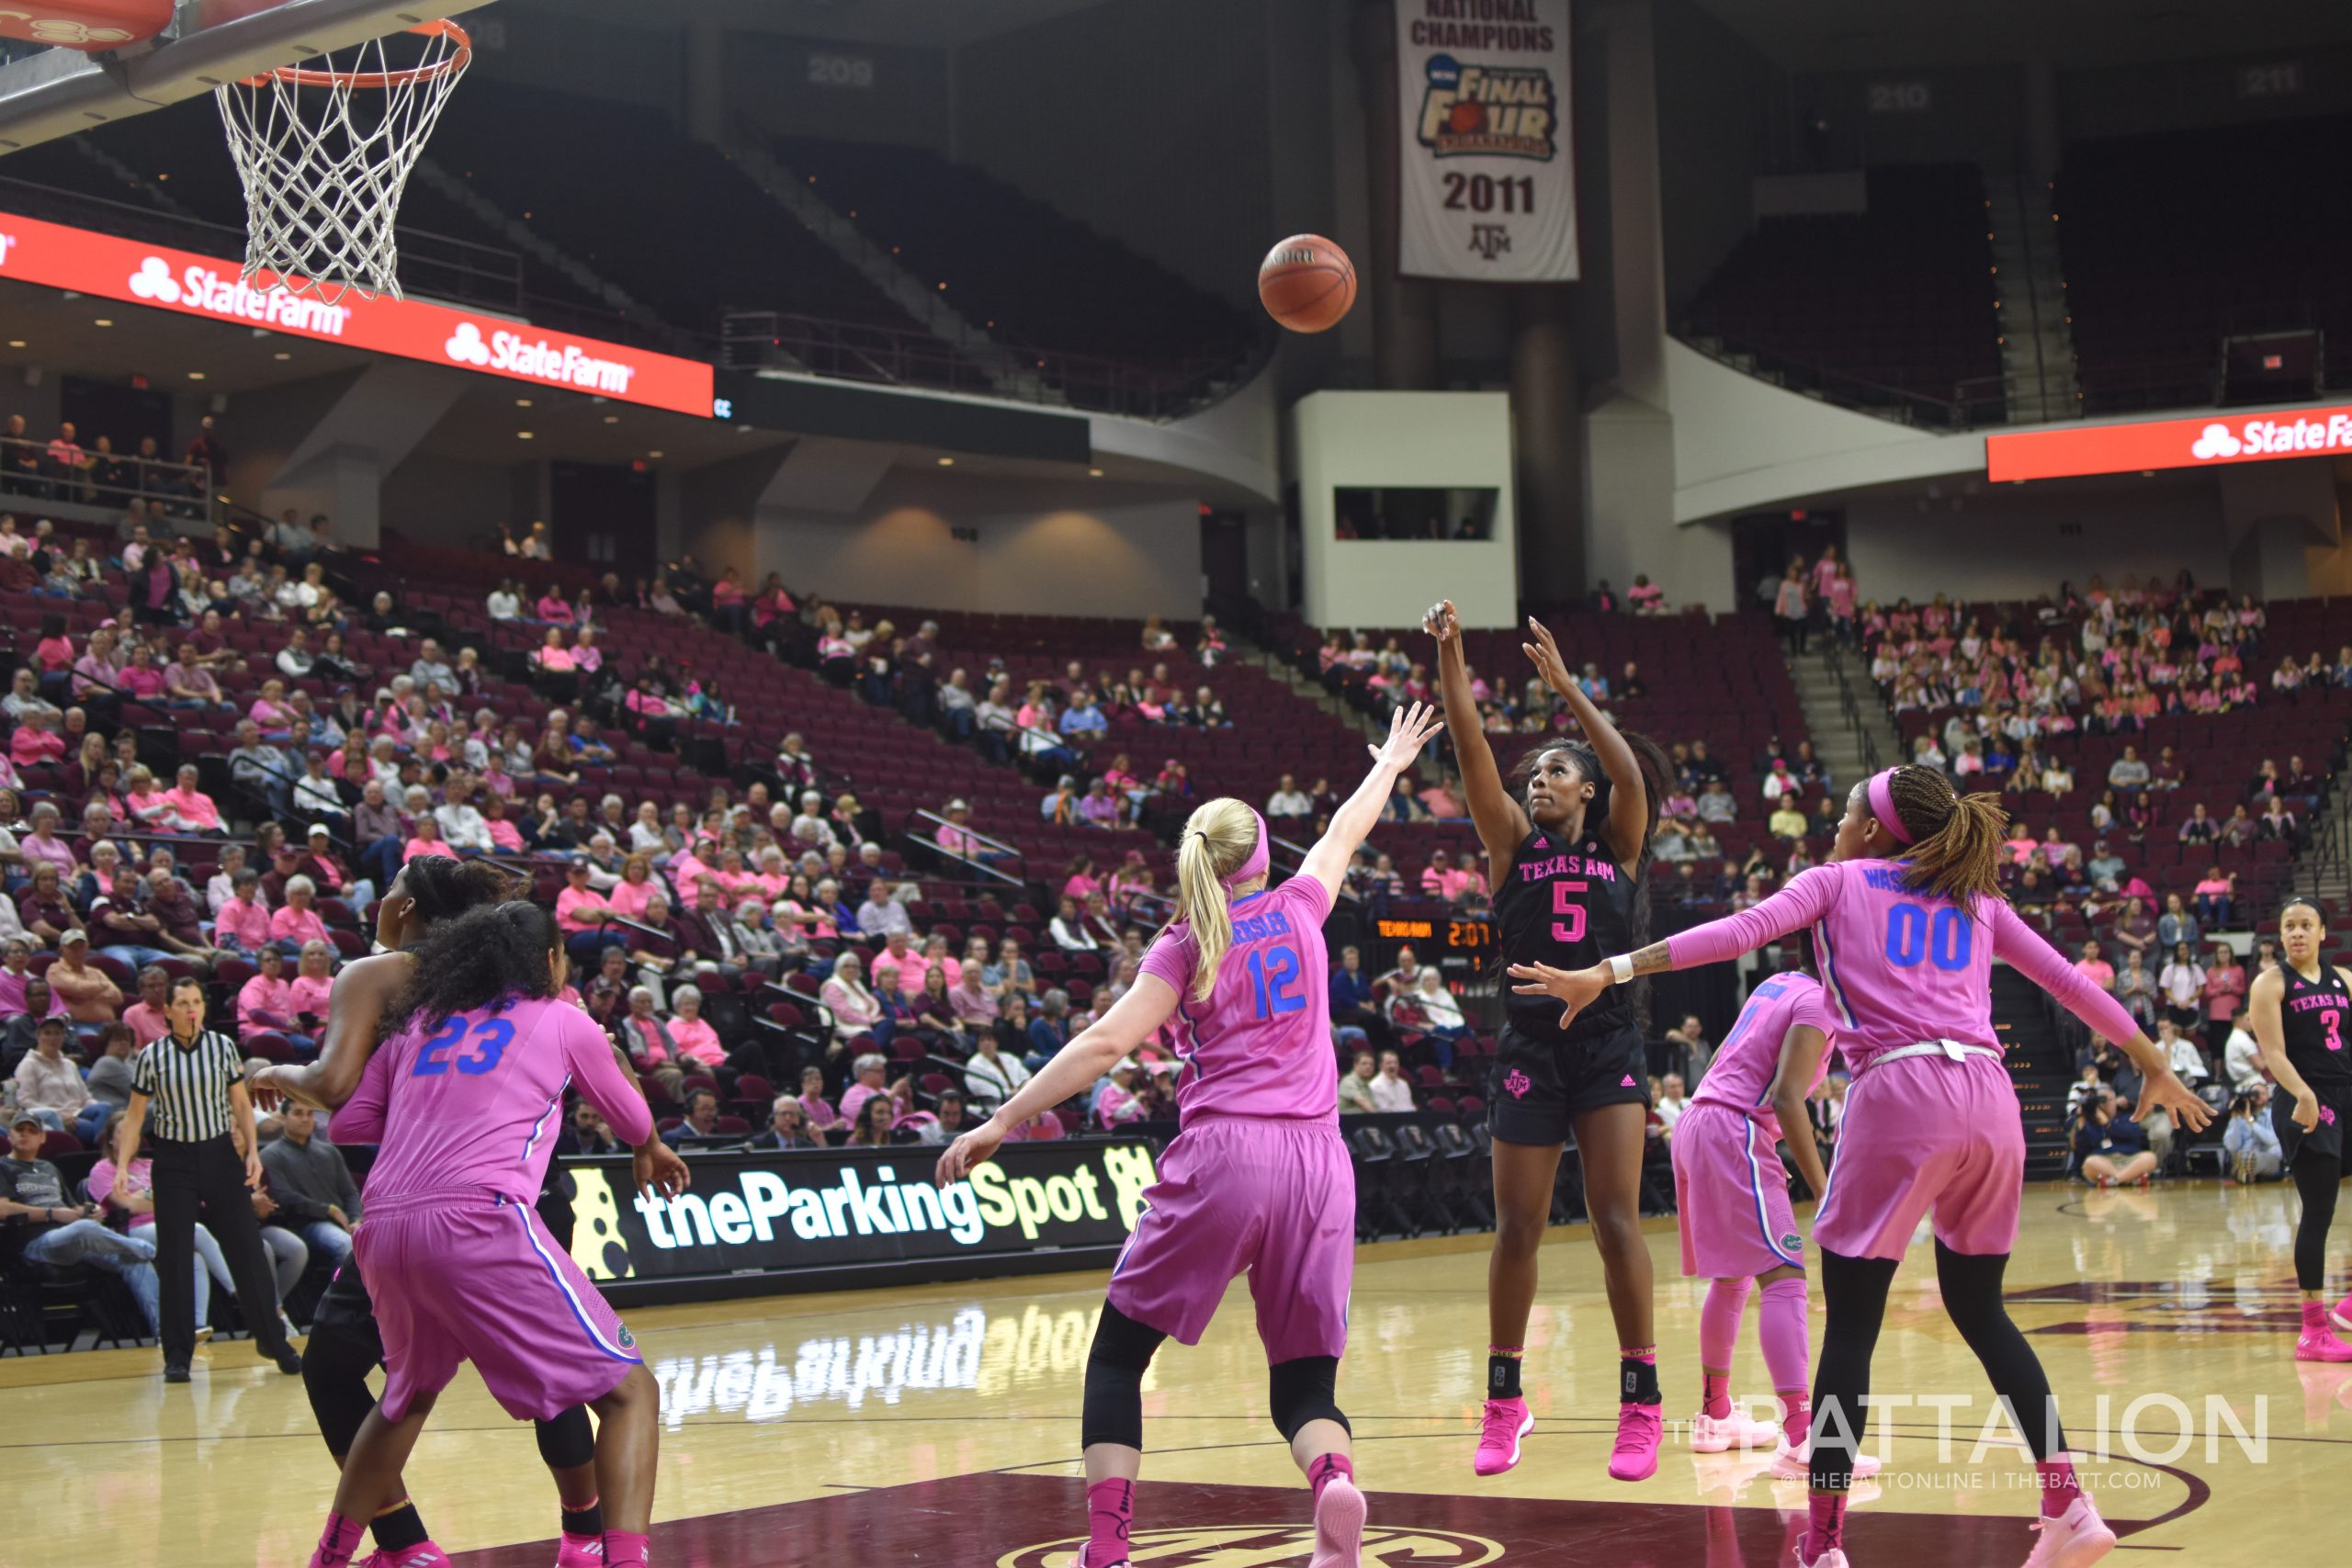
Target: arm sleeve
2039 961
360 1118
600 1078
1805 900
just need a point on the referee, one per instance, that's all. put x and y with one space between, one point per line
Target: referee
189 1090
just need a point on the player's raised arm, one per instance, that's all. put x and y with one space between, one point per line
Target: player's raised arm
1408 730
1625 830
1501 820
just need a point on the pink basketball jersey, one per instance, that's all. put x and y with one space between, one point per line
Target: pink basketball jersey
474 1102
1261 1044
1901 966
1741 1074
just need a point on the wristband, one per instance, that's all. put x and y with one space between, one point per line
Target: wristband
1620 969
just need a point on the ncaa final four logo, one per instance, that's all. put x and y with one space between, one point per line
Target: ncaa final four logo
1506 111
1271 1546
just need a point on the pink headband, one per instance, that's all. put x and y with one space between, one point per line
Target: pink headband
1881 796
1256 864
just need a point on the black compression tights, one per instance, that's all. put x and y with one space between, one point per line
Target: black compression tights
2316 1177
1854 1289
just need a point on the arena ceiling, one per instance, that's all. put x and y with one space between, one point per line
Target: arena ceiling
919 23
1860 35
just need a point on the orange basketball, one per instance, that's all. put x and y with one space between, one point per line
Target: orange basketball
1307 283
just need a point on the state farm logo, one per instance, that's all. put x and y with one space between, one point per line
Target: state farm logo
154 280
1271 1546
540 360
2273 438
196 287
465 345
2216 441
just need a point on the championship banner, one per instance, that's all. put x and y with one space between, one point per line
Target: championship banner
1485 182
797 1211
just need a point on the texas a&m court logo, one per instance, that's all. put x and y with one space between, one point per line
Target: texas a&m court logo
1507 111
1271 1546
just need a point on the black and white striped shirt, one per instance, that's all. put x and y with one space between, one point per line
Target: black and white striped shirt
188 1085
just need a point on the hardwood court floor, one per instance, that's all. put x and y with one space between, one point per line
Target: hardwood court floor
938 1425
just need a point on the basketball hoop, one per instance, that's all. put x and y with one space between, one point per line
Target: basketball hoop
324 154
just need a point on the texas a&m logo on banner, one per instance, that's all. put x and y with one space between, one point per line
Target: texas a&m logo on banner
1487 186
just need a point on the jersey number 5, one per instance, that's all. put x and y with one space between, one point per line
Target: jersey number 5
1273 974
488 1040
1570 927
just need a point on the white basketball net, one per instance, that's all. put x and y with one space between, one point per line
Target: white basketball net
324 152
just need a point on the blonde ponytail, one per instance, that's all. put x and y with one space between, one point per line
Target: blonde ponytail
1218 839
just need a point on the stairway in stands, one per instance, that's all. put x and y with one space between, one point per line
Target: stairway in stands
2040 1066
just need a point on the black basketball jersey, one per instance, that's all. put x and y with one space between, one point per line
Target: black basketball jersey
1570 904
2313 1016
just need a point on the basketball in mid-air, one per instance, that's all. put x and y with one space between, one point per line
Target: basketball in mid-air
1307 283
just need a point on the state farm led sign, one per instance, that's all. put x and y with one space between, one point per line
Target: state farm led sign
115 268
2206 441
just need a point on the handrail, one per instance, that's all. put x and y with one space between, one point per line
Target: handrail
1290 858
71 491
1850 709
1974 401
969 862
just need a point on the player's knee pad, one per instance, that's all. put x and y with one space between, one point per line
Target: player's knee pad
334 1374
568 1441
1122 1350
1302 1390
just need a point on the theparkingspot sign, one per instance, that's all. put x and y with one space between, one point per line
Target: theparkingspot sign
805 1210
111 267
2205 441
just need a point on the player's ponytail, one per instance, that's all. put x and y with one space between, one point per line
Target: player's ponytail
1219 838
1955 842
476 960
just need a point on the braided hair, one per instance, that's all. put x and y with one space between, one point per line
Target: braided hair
476 960
1957 840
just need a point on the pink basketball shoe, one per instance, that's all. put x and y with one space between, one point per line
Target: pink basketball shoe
1506 1423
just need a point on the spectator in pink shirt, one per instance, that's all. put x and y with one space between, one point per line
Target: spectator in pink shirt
298 923
2095 969
266 1001
908 962
197 811
428 841
36 740
145 1016
16 979
42 846
696 1039
312 986
243 922
552 656
1443 879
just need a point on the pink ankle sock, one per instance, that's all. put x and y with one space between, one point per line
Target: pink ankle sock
2058 1487
1718 1333
1826 1530
338 1541
2315 1317
1110 1512
1796 1418
1780 1325
623 1550
1327 1469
